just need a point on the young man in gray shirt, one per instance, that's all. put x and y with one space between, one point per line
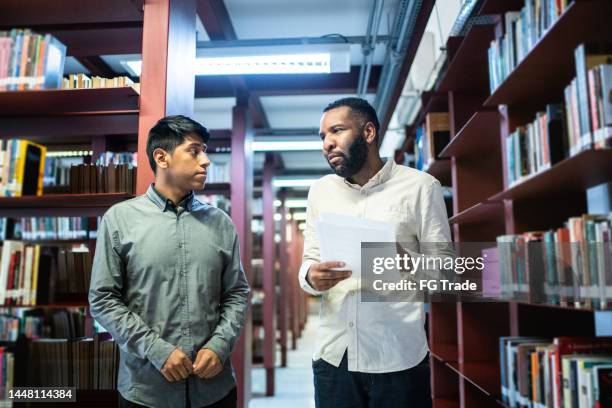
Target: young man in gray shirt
167 282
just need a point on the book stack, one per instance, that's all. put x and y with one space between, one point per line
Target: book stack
7 372
92 179
557 373
86 363
30 61
535 147
82 81
587 101
431 139
568 265
22 165
522 30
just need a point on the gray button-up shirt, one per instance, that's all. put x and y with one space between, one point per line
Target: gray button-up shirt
165 277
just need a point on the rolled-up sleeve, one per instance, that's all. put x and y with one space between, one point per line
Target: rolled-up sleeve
234 303
129 331
311 245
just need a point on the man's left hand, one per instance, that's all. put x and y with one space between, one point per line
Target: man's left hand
207 364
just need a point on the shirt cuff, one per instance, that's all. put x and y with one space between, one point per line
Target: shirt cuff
219 346
304 283
159 352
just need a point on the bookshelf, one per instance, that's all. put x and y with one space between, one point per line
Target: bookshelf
164 33
464 336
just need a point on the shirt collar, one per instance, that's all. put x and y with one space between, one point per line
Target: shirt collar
165 203
380 177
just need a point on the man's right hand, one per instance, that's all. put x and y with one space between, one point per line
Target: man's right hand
177 367
321 278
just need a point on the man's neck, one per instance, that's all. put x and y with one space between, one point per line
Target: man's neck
172 193
372 166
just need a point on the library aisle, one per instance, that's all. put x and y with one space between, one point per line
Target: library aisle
294 382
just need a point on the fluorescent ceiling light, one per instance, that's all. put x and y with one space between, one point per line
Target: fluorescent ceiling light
265 64
286 146
277 203
296 203
290 59
302 182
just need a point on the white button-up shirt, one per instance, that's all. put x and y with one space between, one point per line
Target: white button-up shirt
379 337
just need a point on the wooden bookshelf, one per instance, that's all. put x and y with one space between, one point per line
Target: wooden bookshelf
441 169
60 205
464 336
99 118
575 174
468 56
478 136
69 102
479 213
545 71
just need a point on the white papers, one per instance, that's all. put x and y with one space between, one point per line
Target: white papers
340 238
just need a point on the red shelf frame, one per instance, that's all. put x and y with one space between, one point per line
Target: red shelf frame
480 134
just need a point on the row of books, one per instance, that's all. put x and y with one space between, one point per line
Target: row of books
7 372
30 61
86 363
588 105
31 274
36 323
533 148
431 139
83 81
522 30
22 165
583 122
90 179
44 228
571 265
57 169
574 372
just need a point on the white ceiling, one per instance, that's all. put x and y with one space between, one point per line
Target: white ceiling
268 19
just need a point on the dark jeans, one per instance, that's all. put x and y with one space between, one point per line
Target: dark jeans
340 388
229 401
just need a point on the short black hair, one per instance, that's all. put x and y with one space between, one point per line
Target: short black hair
360 108
170 132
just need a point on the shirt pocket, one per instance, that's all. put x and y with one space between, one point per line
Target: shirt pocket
404 221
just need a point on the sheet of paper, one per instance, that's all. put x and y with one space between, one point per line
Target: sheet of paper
340 237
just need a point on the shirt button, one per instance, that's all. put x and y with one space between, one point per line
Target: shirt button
351 324
180 244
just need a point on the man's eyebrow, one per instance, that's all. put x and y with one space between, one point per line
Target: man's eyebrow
196 144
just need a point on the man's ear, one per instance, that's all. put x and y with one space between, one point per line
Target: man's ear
161 158
369 133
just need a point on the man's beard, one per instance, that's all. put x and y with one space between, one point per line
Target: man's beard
354 161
